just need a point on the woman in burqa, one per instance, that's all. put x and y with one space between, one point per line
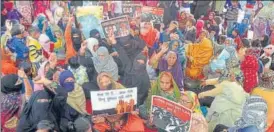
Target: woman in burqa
38 108
73 39
138 77
11 102
132 46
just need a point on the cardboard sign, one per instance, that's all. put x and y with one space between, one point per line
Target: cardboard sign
132 10
119 27
112 102
152 14
96 11
88 23
170 116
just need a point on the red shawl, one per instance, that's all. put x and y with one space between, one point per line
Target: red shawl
199 27
250 68
149 38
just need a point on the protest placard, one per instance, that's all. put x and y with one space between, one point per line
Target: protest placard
132 10
119 27
152 14
96 11
113 102
170 116
88 23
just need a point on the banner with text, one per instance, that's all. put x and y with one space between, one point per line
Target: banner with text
170 116
113 102
152 14
119 27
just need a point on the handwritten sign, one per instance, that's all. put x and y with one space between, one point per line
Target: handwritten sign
119 27
169 115
114 101
152 14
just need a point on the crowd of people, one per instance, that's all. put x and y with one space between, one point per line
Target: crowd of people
214 57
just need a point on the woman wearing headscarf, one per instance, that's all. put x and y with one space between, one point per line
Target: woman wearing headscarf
92 46
259 27
103 62
166 87
229 95
102 41
39 107
253 117
209 18
177 46
47 46
250 68
170 63
11 101
132 46
40 7
73 39
123 122
199 55
138 77
183 18
75 105
199 27
190 100
266 57
12 13
148 34
265 90
190 31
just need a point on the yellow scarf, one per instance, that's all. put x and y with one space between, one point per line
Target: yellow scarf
76 99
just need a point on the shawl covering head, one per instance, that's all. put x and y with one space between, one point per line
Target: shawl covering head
107 64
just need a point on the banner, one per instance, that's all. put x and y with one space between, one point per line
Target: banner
152 14
119 27
88 23
113 102
132 10
170 116
96 11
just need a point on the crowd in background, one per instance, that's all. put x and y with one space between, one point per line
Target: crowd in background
213 57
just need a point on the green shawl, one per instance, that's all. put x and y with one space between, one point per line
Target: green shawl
156 90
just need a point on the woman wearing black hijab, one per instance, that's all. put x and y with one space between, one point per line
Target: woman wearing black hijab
11 101
76 37
38 108
138 77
